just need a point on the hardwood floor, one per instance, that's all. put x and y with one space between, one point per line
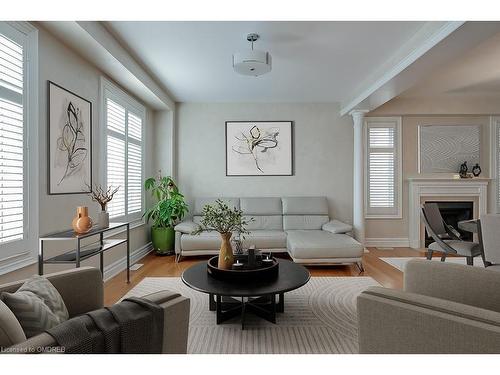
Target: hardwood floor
156 266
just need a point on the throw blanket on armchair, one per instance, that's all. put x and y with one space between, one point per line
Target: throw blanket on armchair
134 325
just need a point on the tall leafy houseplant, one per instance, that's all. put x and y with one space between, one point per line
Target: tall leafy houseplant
168 210
221 218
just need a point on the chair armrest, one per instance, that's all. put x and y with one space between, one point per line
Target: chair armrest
187 227
452 232
176 320
453 282
393 321
336 226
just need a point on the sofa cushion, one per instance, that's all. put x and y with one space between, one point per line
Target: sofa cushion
199 203
267 222
265 239
11 331
261 206
209 240
316 244
305 206
294 222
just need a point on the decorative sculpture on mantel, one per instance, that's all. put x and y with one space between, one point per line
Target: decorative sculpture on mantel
476 170
463 170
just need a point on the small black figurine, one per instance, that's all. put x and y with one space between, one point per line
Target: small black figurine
463 170
476 170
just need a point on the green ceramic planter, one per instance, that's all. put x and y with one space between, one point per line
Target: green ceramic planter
163 240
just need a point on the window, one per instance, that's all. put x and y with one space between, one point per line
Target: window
18 159
383 168
124 119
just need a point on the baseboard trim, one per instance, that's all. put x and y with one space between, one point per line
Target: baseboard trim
120 265
387 242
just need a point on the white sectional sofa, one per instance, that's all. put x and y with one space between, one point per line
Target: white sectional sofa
297 225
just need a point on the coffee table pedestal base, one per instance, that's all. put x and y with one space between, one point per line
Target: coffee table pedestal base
264 307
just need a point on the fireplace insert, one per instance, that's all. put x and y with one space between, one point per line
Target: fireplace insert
452 213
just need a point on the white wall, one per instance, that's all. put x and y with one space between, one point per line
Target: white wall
323 153
61 65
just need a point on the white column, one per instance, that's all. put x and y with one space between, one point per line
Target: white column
358 215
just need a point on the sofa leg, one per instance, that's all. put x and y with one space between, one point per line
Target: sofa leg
470 261
429 254
360 266
178 258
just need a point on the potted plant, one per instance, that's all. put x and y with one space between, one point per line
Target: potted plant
103 197
221 218
168 210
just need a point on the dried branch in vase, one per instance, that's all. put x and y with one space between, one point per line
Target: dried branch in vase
101 196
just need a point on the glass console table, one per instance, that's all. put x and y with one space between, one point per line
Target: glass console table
83 252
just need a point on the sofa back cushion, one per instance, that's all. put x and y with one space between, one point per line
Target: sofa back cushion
266 213
199 203
304 212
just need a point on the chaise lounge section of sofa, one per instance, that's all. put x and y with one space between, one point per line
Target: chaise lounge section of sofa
300 226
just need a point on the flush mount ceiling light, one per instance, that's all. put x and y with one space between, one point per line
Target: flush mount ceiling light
252 62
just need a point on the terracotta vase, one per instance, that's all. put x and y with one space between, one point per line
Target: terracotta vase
226 257
82 223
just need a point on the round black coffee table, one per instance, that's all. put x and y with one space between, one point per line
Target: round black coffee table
257 297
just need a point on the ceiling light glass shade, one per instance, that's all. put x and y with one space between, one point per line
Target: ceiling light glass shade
252 62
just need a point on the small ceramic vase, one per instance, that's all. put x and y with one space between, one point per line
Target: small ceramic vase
103 219
82 223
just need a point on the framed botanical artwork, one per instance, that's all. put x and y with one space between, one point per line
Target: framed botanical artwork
259 148
69 141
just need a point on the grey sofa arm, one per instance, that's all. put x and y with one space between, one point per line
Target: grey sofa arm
336 226
453 282
393 321
175 328
176 320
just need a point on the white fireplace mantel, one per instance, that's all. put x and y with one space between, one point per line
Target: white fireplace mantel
444 188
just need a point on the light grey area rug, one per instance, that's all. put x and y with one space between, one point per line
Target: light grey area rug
319 318
400 263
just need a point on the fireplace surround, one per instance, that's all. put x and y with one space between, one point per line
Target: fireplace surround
442 189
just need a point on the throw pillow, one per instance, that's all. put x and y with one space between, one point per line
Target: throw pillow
34 316
11 332
47 292
37 305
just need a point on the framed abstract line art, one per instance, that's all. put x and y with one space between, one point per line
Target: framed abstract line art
70 141
259 148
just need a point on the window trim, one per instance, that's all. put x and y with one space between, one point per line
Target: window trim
371 213
29 34
118 95
494 161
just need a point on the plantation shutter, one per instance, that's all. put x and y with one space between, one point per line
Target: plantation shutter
134 164
124 152
12 142
382 177
497 141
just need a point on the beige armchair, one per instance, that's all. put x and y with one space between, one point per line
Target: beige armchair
82 291
444 308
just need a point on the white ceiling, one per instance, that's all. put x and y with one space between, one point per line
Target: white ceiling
312 61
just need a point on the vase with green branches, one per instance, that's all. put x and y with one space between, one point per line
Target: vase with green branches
167 211
225 220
